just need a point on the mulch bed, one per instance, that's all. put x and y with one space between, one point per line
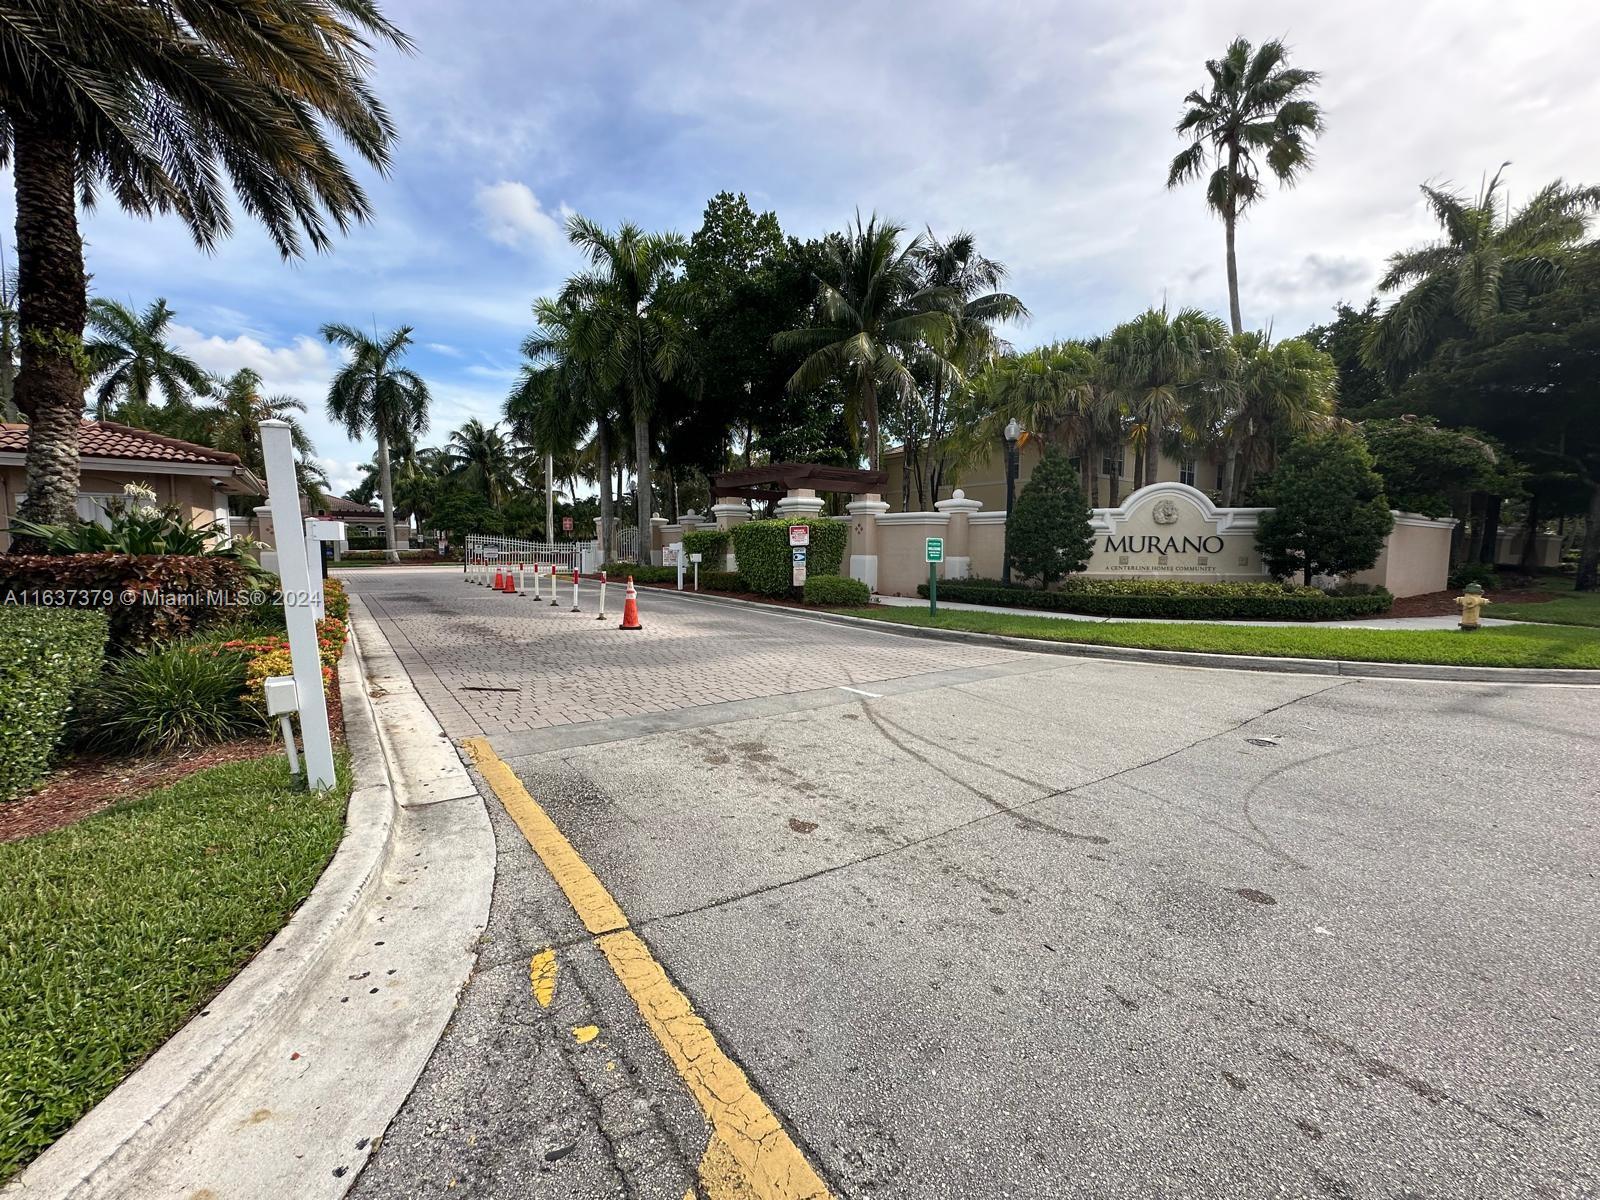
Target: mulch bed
88 784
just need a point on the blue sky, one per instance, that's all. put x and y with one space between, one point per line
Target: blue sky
1045 128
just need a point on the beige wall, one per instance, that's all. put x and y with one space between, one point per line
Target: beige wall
1415 559
902 541
192 494
985 480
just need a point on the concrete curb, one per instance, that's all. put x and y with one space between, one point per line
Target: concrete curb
1185 658
284 1084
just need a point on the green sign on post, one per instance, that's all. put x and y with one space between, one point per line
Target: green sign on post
934 552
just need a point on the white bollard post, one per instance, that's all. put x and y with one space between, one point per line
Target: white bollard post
553 600
602 615
283 497
575 607
287 726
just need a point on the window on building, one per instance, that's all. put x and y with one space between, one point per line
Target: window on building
1219 478
1111 465
1186 472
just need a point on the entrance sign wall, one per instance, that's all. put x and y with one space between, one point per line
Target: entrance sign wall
1171 530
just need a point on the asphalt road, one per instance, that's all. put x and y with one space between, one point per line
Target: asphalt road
1022 926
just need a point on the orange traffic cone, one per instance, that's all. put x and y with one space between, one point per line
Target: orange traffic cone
499 580
510 587
630 609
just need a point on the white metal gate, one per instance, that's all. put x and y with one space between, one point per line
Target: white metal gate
568 556
628 544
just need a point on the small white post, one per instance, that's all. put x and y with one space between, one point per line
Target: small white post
287 726
575 607
283 497
602 615
553 600
314 569
697 574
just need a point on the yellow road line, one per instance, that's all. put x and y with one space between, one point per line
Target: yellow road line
750 1155
542 976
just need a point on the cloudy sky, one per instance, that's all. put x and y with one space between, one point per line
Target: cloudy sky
1045 128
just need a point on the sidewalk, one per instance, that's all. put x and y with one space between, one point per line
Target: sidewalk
1444 622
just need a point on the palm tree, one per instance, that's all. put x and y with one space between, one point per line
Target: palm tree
633 329
1490 261
371 393
131 359
562 392
1280 392
1254 107
1157 366
480 455
163 106
962 282
8 341
233 422
873 315
1058 393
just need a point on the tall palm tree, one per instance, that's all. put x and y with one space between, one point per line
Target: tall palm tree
1254 111
563 391
131 359
372 393
633 329
1490 261
233 421
873 314
480 455
1158 365
163 106
1280 391
963 283
8 341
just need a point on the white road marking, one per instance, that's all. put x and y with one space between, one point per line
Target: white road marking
859 692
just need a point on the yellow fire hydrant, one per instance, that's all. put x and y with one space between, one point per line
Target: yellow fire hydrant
1471 606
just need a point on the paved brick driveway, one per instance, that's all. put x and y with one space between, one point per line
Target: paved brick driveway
489 664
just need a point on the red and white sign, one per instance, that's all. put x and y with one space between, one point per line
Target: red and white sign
799 535
566 524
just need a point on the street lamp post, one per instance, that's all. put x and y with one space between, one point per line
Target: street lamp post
1012 433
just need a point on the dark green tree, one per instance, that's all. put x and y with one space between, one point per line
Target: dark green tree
1329 512
1363 390
1049 535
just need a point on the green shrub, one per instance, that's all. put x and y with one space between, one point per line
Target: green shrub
417 554
137 526
642 573
49 657
1049 534
1480 573
762 548
1280 604
1329 514
710 581
1184 587
722 581
711 544
167 698
836 591
176 594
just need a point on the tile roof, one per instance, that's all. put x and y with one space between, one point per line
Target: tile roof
107 439
340 506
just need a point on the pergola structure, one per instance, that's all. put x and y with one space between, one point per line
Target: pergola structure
777 480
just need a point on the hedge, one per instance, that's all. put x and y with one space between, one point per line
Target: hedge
711 544
1191 604
710 581
762 548
413 555
836 591
175 593
50 654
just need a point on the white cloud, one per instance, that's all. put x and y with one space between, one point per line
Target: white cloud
513 216
442 348
305 364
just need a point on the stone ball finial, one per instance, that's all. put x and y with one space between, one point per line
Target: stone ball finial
958 494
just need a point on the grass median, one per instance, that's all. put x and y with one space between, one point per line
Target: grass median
1502 646
116 930
1568 608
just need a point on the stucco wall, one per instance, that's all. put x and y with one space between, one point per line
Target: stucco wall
902 540
1415 559
985 479
192 494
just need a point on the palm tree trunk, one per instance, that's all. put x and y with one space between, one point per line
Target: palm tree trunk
1489 548
869 413
607 511
1530 541
641 479
1230 221
52 303
1230 474
1152 455
1589 557
386 485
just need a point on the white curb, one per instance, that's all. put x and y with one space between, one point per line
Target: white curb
284 1084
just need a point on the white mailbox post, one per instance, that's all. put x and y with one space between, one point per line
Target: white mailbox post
317 532
299 617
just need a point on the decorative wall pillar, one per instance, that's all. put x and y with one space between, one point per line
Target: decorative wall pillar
801 502
652 554
864 514
729 513
691 521
958 542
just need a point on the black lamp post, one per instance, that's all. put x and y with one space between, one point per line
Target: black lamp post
1012 433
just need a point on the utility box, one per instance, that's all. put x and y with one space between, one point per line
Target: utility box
282 695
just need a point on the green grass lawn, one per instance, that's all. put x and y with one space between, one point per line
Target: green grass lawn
1570 607
1533 646
114 931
